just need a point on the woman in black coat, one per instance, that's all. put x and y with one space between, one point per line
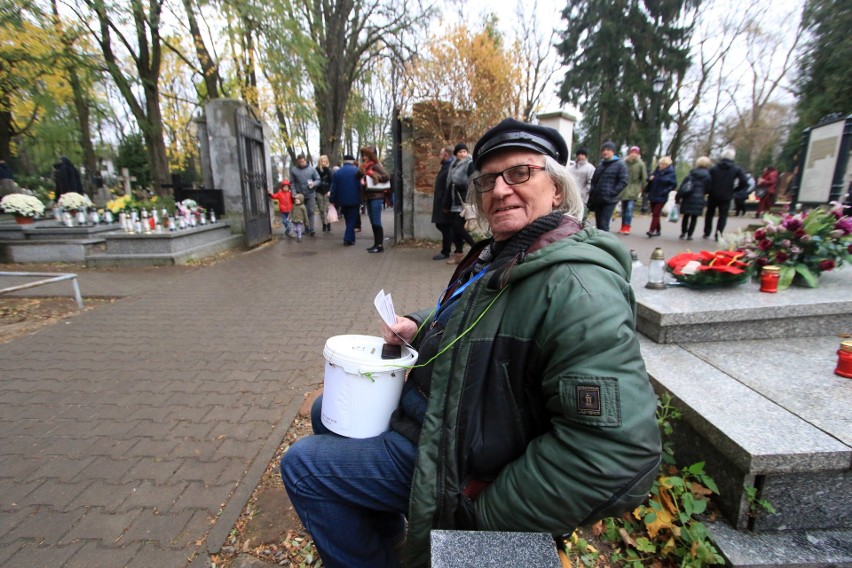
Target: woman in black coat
690 196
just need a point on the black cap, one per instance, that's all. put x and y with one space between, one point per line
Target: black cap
459 147
348 158
511 133
584 151
608 145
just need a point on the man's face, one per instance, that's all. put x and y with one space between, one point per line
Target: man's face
633 153
510 208
461 155
607 153
582 157
302 162
443 155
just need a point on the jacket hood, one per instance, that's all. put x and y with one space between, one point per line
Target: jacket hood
725 164
586 246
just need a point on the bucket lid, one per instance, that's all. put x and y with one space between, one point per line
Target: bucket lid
359 354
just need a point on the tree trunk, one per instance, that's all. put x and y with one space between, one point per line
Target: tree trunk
154 140
81 103
209 69
5 135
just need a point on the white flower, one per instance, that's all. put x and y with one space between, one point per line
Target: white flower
22 204
72 200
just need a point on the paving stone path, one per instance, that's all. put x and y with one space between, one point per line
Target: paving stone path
132 435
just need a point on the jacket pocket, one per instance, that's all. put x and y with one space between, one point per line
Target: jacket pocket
591 401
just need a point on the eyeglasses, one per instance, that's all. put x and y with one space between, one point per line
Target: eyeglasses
512 176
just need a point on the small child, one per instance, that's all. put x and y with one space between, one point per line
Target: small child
299 216
285 204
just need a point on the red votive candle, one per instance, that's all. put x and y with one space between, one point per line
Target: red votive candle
844 360
769 279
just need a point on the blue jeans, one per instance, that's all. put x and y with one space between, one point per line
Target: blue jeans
285 222
626 212
603 215
374 211
351 494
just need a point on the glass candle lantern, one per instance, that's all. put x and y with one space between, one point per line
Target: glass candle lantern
656 270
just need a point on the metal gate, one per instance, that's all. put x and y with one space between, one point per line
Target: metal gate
253 178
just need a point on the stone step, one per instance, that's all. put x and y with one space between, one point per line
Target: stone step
813 548
183 256
768 414
62 250
681 315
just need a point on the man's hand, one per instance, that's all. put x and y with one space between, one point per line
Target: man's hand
400 333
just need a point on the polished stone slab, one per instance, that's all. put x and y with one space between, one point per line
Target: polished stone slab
679 314
794 373
169 242
484 549
759 435
814 548
752 429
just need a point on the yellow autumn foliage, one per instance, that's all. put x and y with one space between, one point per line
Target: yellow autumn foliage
469 71
30 69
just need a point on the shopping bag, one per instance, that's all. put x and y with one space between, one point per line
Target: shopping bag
332 216
674 215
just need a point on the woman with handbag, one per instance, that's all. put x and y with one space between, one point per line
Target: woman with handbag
663 181
324 171
690 196
454 199
375 180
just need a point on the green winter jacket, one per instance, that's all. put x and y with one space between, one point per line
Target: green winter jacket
637 177
544 401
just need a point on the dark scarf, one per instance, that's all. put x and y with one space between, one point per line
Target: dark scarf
500 253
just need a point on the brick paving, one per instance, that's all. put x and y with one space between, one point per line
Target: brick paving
133 434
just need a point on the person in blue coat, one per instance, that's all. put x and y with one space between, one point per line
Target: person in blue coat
346 196
663 180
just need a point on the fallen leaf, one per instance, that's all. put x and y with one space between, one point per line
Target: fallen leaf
597 528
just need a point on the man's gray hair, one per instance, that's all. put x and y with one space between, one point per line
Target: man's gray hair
572 201
729 154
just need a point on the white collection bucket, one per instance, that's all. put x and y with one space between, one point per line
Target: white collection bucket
361 390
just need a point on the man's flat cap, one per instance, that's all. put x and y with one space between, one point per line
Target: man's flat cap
511 133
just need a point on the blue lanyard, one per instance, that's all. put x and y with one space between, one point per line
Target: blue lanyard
458 290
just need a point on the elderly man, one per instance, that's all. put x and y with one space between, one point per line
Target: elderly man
608 181
304 179
529 408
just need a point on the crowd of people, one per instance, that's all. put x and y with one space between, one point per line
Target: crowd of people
708 190
353 185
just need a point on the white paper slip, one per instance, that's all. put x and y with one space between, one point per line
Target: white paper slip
384 305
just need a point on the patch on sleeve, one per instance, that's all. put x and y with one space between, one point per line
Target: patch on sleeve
592 401
588 400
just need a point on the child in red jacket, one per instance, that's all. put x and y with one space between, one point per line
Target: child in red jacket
285 204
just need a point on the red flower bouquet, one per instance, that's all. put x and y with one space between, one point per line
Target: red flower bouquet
705 269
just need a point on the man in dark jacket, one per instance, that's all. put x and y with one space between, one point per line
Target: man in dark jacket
530 407
346 196
723 179
440 216
608 181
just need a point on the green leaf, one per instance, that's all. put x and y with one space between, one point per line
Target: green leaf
696 468
645 545
786 277
710 484
811 279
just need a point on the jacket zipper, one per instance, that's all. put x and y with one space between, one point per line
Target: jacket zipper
440 497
